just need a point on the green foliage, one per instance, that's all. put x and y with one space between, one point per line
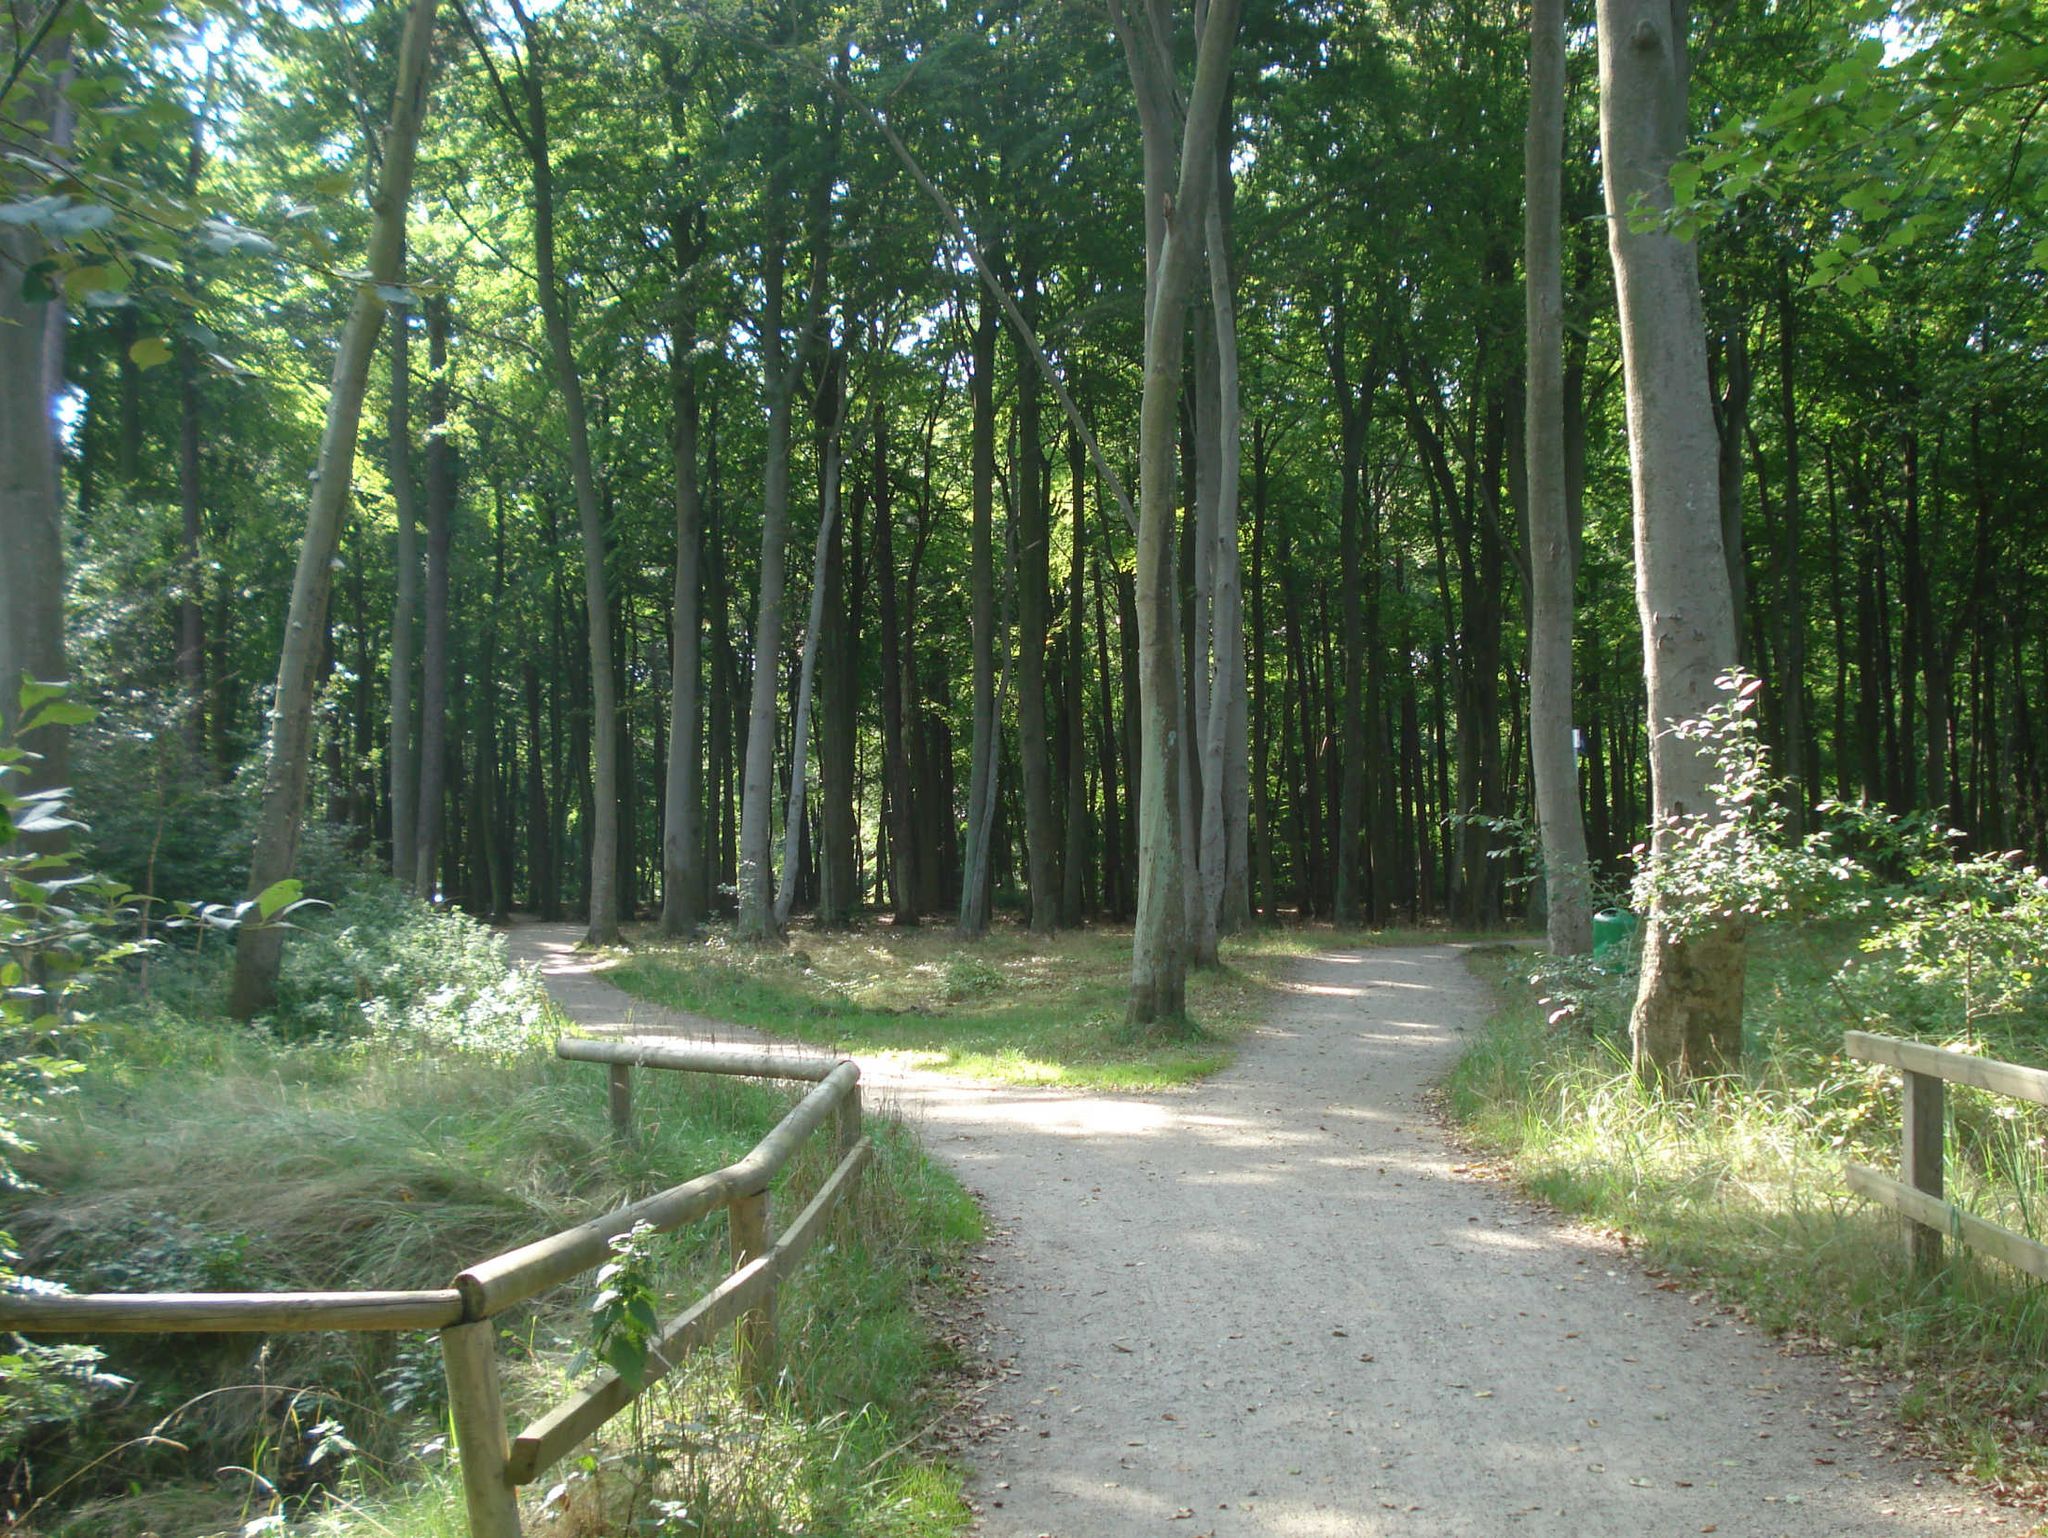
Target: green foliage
388 969
624 1316
1738 860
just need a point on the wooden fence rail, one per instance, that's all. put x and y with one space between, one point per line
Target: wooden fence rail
494 1464
1918 1196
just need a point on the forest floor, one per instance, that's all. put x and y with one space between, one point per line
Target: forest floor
1283 1302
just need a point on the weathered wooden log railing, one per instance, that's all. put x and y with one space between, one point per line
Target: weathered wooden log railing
1918 1196
494 1464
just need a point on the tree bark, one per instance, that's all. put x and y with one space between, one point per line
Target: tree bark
981 562
682 853
903 843
603 808
1033 581
780 368
259 950
430 809
32 641
800 732
1175 218
1073 868
1688 1010
1224 752
1553 547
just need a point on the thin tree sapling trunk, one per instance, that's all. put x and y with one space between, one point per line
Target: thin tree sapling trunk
259 949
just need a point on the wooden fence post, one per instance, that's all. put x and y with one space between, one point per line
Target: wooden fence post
748 1220
849 1121
620 1095
469 1356
1920 1160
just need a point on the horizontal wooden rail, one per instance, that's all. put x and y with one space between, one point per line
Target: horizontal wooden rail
494 1285
698 1057
493 1466
1922 1144
2030 1084
543 1444
2017 1251
222 1313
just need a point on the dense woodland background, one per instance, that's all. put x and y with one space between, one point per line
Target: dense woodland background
703 198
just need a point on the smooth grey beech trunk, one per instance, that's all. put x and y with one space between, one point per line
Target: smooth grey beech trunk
1225 901
981 561
31 510
1178 187
259 950
781 366
1688 1011
1553 543
807 671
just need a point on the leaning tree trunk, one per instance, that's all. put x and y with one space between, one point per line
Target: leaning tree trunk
259 950
807 669
1176 208
1553 551
1688 1010
1225 751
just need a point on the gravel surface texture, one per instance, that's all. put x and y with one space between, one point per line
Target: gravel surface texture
1282 1303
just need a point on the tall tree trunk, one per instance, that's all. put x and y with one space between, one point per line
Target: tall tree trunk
402 767
32 643
1354 408
259 950
903 842
1262 805
1073 868
1553 545
780 368
1224 751
830 455
1033 568
1177 193
1789 613
838 758
603 808
1688 1011
982 580
431 807
682 852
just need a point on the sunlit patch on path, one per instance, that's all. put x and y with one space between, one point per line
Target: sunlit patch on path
1278 1304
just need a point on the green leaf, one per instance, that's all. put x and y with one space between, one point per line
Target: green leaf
276 897
150 352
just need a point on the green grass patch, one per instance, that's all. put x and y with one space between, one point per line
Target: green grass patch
197 1154
1013 1007
1739 1183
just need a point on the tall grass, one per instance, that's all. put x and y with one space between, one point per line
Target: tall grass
200 1154
1739 1181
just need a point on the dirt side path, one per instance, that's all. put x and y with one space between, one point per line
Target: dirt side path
1276 1304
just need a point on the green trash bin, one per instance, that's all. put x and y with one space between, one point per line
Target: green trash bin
1614 939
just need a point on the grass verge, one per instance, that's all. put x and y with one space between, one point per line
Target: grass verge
1740 1183
197 1154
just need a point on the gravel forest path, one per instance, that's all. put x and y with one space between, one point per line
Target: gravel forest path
1280 1303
